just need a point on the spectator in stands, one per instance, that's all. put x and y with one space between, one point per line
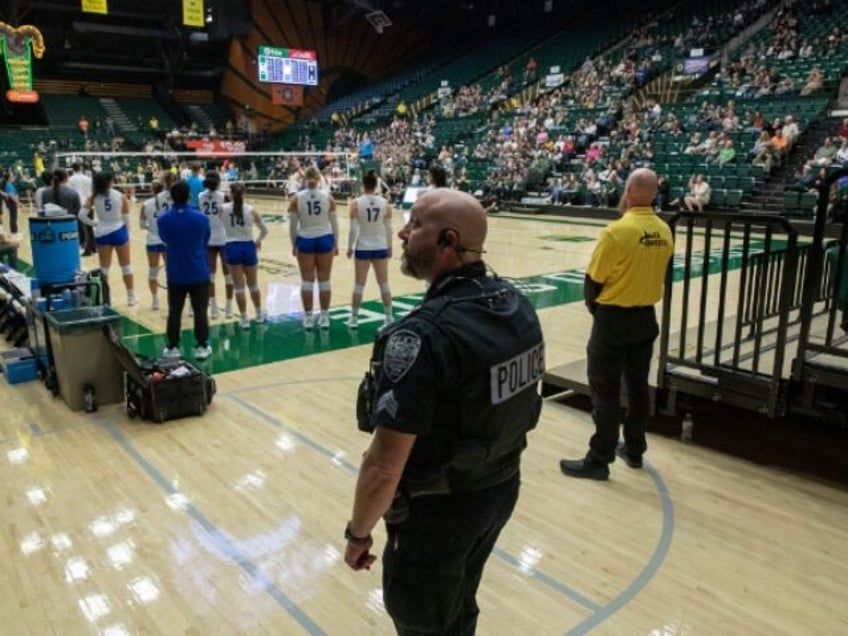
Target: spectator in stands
195 184
727 154
366 147
83 126
842 154
663 193
110 126
826 153
8 250
804 178
791 130
154 124
843 129
780 143
814 83
699 194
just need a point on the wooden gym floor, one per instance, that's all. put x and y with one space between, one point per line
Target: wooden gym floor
231 523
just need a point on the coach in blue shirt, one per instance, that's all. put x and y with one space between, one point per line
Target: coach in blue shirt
185 231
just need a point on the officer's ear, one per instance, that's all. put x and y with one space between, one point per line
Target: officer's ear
444 238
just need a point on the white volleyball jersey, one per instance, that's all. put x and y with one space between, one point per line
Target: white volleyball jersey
211 203
151 213
238 229
371 212
313 208
107 210
164 202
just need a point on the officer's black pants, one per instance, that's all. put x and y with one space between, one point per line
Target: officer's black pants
433 562
199 297
621 345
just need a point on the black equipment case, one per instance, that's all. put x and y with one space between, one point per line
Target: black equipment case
162 389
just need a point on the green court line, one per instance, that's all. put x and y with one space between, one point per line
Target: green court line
283 337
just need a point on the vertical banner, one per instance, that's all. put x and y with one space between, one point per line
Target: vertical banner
193 13
95 6
285 95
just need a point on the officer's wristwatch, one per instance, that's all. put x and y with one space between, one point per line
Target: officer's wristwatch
352 538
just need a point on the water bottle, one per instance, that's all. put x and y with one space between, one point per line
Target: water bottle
67 301
687 428
89 398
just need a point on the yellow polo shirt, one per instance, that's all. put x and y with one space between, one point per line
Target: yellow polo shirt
631 259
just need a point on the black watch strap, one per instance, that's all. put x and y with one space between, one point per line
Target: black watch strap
352 538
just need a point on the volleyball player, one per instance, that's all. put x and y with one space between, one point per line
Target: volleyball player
150 212
370 242
241 251
212 205
111 211
314 232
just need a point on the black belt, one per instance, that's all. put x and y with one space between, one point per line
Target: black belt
621 308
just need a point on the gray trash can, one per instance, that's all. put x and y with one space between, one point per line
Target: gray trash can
83 355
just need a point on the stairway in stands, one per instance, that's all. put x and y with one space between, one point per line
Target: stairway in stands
769 198
122 122
199 116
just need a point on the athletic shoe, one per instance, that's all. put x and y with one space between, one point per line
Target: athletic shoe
228 310
132 300
202 353
353 322
324 321
389 319
308 321
171 352
213 311
155 305
244 323
261 316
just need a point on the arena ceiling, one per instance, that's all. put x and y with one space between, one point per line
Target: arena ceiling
144 40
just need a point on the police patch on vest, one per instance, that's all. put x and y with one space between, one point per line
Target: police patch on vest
513 376
401 352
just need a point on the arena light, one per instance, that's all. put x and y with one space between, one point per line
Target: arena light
18 44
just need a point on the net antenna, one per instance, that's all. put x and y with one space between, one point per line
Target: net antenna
378 20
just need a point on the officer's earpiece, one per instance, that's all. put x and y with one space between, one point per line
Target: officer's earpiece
444 239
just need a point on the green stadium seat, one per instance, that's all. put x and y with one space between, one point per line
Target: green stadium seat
808 203
733 200
717 198
790 200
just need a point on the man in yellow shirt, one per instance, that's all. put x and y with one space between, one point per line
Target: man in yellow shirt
624 281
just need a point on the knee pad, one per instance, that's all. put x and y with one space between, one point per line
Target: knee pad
253 289
239 290
307 285
228 280
358 289
126 270
385 288
153 273
324 285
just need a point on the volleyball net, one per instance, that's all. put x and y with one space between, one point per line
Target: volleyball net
262 172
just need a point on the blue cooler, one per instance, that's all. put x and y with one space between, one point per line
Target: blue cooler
55 249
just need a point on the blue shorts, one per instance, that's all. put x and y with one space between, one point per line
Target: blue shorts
241 253
118 237
318 245
159 247
369 255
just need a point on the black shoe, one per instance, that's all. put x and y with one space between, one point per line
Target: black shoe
634 461
87 252
585 469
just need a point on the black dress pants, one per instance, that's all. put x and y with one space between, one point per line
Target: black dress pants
621 346
198 294
433 561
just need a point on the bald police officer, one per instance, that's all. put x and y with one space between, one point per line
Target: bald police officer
452 392
624 281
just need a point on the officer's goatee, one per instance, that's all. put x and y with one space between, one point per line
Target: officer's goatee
415 265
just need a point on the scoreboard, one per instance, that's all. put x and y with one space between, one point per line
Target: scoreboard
287 66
